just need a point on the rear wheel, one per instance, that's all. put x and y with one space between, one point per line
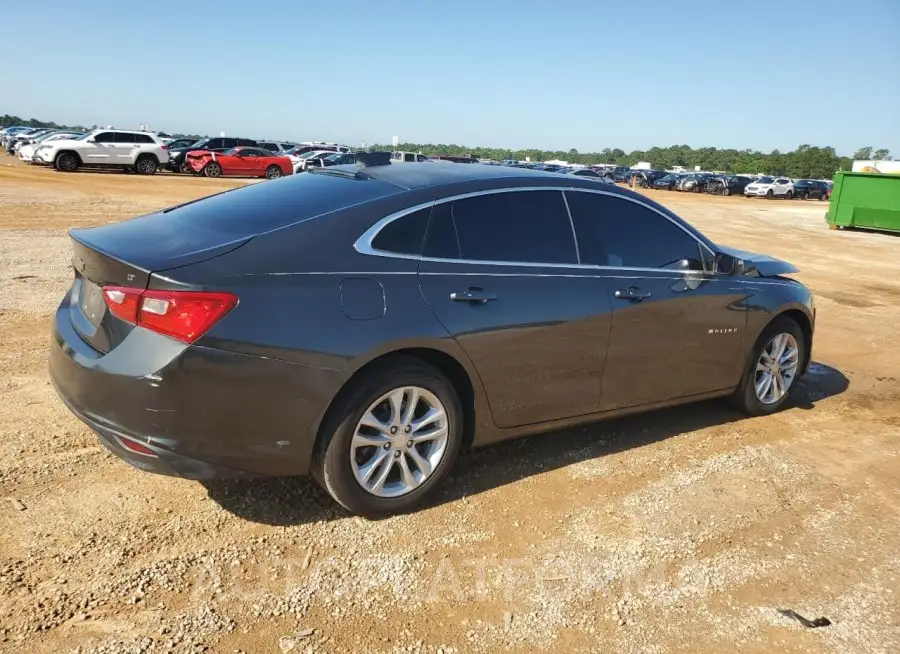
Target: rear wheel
775 363
824 196
273 172
212 169
788 195
391 439
185 168
146 165
66 162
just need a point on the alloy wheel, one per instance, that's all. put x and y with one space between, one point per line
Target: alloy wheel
273 173
146 166
776 368
67 163
399 441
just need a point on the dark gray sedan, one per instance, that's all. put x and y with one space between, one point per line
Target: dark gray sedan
364 323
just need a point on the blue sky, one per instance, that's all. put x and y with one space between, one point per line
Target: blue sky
505 73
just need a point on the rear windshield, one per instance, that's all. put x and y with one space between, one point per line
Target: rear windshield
262 207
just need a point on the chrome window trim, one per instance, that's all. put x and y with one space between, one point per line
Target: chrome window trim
363 244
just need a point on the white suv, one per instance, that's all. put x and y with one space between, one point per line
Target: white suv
106 148
770 187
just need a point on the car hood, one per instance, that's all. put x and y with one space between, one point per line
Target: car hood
762 264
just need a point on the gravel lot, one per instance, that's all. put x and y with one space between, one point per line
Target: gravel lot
680 530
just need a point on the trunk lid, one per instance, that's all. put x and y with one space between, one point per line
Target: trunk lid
127 254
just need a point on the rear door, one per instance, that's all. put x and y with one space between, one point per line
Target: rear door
126 148
500 271
676 332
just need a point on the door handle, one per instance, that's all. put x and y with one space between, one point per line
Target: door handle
473 295
632 294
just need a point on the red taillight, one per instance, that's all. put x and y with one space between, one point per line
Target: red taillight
183 315
165 147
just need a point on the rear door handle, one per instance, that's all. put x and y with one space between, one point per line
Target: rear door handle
632 294
474 295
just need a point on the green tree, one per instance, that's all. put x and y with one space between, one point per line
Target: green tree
863 153
882 154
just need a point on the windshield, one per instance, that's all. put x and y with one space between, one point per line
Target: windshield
231 151
765 180
82 137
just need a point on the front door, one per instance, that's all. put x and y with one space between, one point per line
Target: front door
102 151
500 271
677 327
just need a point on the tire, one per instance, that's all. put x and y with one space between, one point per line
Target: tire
212 169
184 168
788 195
273 172
745 395
332 464
804 195
726 191
66 162
770 195
823 197
146 164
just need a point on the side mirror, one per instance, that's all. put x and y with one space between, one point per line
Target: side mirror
90 140
729 265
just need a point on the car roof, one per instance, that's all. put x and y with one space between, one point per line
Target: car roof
438 173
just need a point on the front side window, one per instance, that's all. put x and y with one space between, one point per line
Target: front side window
409 157
105 137
617 232
215 144
404 235
523 227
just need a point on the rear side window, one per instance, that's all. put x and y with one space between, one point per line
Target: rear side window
143 138
525 227
404 235
260 208
617 232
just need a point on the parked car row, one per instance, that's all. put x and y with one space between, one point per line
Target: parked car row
719 184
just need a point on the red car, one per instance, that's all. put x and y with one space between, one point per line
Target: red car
242 162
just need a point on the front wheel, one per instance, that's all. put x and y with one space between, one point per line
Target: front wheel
391 439
66 162
769 194
273 172
775 363
212 169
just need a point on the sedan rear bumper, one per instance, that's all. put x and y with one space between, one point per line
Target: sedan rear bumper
198 412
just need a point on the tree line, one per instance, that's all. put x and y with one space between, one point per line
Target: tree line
806 161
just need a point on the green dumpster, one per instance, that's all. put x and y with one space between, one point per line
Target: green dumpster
868 200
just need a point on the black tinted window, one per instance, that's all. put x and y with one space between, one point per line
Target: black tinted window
245 142
617 232
105 137
143 138
404 235
125 138
214 144
442 242
231 143
527 226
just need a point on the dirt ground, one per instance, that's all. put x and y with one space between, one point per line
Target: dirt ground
682 530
